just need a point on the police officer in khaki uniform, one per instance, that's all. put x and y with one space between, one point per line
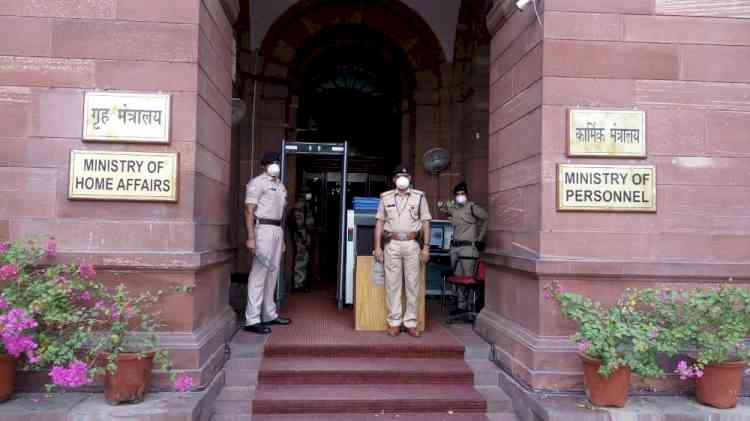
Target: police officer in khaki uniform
403 214
265 203
469 222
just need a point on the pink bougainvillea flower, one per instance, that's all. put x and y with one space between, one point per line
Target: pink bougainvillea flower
184 383
4 246
86 271
85 296
13 332
51 247
75 375
8 271
3 303
653 334
584 345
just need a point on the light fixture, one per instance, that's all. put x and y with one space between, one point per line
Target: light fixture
520 4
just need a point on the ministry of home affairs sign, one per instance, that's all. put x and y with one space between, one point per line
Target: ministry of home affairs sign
607 133
624 188
126 117
108 175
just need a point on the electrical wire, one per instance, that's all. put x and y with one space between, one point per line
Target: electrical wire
536 12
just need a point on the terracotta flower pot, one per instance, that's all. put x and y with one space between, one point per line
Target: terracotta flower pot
7 376
721 384
130 382
605 391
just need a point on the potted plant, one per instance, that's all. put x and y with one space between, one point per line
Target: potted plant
74 316
50 299
612 341
712 325
126 345
17 333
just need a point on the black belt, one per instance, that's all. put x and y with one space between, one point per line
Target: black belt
461 243
263 221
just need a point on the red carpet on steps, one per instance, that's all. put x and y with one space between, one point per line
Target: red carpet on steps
320 368
320 330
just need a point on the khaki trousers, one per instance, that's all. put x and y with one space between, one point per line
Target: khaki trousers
261 284
402 267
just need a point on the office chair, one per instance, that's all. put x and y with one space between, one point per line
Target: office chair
473 282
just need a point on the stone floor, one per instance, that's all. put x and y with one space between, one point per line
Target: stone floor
92 407
228 397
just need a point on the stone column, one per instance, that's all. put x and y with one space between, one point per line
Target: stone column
51 53
684 65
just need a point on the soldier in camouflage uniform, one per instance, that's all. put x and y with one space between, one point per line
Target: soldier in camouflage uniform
303 219
469 227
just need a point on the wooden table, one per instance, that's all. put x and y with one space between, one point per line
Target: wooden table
369 303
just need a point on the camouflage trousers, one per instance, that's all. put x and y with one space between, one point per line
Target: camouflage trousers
301 263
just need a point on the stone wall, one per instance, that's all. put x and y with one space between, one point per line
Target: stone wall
50 54
687 65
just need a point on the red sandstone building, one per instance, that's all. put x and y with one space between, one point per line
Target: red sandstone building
491 84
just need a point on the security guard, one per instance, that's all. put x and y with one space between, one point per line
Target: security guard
403 214
302 221
469 222
265 203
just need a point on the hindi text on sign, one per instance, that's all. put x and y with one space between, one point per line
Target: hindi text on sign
624 188
126 117
614 133
106 175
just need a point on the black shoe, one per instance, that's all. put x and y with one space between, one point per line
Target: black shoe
257 328
279 321
458 311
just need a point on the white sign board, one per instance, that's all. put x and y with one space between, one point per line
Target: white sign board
126 117
107 175
619 188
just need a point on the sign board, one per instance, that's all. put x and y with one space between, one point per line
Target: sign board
613 133
106 175
126 117
620 188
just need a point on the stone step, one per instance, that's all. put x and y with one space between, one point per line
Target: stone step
231 417
236 393
443 416
241 378
485 372
497 400
364 371
309 399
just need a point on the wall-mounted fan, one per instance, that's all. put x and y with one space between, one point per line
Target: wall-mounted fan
436 160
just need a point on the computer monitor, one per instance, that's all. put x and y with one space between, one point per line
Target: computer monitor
437 234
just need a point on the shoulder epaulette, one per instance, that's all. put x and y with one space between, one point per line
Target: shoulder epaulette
387 193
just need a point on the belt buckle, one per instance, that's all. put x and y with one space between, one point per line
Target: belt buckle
401 236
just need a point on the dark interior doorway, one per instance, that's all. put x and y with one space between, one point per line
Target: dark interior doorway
352 84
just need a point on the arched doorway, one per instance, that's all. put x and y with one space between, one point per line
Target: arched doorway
354 71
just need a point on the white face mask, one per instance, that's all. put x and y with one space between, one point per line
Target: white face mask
273 170
308 196
461 199
402 183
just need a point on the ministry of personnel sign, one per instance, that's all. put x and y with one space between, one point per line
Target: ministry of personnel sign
622 188
126 117
108 175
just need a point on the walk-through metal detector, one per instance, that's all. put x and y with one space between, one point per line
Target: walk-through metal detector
335 149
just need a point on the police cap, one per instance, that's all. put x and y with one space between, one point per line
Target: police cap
461 187
401 169
269 157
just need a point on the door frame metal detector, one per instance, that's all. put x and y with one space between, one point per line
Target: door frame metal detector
335 149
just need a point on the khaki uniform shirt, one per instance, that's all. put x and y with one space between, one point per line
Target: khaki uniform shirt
268 195
403 213
469 221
